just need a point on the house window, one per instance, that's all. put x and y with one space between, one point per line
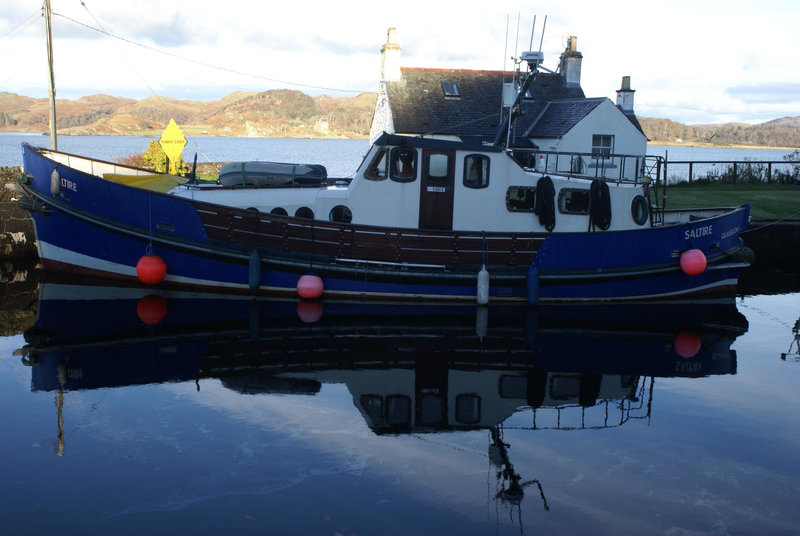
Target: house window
450 89
403 164
476 171
602 145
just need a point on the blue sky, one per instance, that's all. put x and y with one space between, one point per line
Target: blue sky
694 62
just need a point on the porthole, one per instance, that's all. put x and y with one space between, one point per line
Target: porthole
340 214
573 201
520 198
640 211
304 212
279 211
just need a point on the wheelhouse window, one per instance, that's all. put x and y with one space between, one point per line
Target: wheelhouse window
573 201
437 168
476 171
520 198
468 409
403 164
602 145
377 168
450 90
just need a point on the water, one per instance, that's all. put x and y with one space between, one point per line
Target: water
340 157
250 417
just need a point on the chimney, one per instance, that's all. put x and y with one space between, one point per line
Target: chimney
390 58
570 63
625 95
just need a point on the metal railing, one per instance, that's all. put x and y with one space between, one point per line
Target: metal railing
616 167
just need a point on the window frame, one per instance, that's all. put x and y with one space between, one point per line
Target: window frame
601 151
562 194
484 182
450 89
394 157
517 188
374 164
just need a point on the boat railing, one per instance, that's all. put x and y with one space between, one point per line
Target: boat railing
603 413
606 166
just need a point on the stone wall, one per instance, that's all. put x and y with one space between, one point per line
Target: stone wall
17 239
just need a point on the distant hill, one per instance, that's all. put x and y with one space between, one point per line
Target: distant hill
285 113
784 132
289 113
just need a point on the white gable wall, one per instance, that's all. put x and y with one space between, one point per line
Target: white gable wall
605 119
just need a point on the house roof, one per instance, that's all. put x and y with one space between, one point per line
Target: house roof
420 105
560 116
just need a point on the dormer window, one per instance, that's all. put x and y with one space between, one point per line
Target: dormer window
450 90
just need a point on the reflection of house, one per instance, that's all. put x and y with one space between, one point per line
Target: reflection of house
462 104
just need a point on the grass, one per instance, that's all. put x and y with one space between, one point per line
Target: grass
767 201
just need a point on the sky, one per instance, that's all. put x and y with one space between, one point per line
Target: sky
696 62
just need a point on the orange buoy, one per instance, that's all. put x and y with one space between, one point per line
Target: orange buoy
151 269
687 344
309 311
310 286
151 309
693 262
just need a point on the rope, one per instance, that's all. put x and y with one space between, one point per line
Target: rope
771 223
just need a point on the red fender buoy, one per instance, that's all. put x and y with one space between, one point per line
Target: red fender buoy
687 344
310 287
309 311
693 262
151 269
151 309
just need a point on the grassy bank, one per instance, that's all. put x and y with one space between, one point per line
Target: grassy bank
767 201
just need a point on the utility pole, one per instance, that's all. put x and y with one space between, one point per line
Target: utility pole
48 13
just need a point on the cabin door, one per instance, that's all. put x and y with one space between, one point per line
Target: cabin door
436 190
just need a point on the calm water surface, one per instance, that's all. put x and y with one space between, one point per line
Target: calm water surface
130 413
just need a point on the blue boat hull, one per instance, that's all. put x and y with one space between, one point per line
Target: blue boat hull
97 227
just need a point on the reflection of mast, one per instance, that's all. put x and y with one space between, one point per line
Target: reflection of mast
59 407
794 356
61 373
512 489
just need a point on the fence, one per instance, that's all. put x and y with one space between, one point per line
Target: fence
739 170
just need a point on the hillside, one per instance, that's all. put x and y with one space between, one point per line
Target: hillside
289 113
784 132
285 113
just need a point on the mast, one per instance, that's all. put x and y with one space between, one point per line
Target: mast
48 12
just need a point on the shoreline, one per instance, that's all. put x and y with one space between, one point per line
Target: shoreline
157 134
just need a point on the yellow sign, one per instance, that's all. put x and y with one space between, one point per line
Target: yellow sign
172 142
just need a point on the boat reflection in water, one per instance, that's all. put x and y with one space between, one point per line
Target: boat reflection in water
410 368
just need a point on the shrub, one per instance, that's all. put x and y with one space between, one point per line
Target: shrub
154 158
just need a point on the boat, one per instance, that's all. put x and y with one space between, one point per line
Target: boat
421 219
410 368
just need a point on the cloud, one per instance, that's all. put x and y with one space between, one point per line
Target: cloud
777 93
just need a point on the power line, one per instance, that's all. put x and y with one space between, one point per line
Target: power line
22 25
205 64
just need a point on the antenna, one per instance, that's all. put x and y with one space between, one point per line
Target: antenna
543 28
533 31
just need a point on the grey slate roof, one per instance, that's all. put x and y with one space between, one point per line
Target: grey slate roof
419 105
560 116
